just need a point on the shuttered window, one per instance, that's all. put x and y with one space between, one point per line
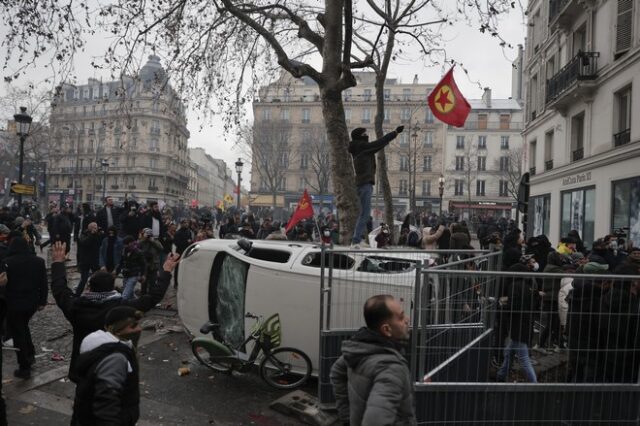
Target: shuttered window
624 26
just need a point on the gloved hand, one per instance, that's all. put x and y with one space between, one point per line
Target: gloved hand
399 129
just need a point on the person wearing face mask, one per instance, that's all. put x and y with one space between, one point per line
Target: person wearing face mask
108 373
383 239
364 163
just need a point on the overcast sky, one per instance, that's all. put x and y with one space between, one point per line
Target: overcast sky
488 65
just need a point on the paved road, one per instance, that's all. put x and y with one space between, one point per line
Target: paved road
202 397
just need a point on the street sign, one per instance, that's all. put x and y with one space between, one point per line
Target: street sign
21 188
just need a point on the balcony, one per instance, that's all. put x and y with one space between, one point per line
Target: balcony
548 165
577 154
115 187
491 125
532 171
153 188
132 187
622 138
562 13
577 78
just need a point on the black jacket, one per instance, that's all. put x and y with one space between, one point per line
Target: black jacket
60 228
183 239
364 159
147 222
89 249
86 219
87 316
131 225
100 401
101 218
27 278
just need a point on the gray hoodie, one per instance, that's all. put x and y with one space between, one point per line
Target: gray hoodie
372 383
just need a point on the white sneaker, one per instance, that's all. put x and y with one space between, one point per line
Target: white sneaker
354 246
556 349
538 349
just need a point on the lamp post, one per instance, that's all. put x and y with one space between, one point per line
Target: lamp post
105 166
239 165
23 121
441 189
413 151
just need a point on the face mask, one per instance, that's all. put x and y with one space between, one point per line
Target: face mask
536 266
327 233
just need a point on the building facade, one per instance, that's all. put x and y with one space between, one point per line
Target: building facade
214 179
582 76
126 139
290 151
483 159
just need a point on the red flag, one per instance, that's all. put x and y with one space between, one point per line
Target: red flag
447 103
303 211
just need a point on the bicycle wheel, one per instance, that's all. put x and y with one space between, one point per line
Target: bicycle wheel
212 356
285 368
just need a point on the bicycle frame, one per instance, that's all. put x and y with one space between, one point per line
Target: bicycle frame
240 356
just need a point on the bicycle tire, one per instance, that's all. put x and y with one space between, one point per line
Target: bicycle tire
285 368
211 357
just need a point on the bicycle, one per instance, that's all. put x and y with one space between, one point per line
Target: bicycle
281 368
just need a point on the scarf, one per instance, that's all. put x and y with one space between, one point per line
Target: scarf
101 296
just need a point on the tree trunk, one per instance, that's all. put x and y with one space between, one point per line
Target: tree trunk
341 164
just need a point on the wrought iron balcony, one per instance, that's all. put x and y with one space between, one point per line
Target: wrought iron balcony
622 138
577 154
575 78
564 12
548 165
532 171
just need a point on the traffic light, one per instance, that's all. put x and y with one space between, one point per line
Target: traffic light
523 193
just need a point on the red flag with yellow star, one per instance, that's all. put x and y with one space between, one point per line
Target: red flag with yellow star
303 211
447 103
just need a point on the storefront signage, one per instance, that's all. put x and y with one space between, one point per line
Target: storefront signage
579 178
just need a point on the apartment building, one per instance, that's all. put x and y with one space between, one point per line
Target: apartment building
213 178
290 151
582 76
483 159
124 138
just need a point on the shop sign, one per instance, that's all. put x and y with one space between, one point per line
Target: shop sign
578 178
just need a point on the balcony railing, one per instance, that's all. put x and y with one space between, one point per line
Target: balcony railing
577 154
622 138
548 165
532 171
583 66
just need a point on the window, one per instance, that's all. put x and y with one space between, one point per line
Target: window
96 92
405 115
387 94
482 164
504 164
404 139
347 94
459 142
266 114
306 115
504 188
287 95
480 188
105 91
85 93
406 94
284 114
504 142
153 163
625 209
577 137
428 140
76 94
578 212
154 145
403 187
367 95
548 147
540 210
482 142
282 184
624 27
404 163
622 117
429 117
301 183
152 182
426 163
532 157
426 187
482 121
505 121
347 115
459 163
284 160
533 97
366 115
459 187
84 110
387 115
304 161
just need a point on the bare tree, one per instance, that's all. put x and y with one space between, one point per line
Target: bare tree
509 168
314 156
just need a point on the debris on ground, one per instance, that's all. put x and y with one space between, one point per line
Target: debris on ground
57 357
183 371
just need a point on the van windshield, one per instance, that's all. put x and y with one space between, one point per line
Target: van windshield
230 297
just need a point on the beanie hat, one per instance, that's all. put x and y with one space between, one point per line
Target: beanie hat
4 229
101 281
18 221
118 318
358 132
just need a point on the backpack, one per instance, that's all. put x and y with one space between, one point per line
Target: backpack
413 239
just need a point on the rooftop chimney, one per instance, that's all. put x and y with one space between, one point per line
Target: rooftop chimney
415 79
486 97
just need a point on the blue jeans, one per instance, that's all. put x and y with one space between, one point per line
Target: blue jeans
364 194
129 285
522 351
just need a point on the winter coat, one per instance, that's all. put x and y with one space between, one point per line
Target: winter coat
133 263
131 225
26 287
510 256
60 228
372 383
551 286
429 240
151 250
364 159
117 251
521 309
108 382
79 228
147 222
102 218
183 239
87 315
89 249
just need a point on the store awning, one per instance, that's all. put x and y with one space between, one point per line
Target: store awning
486 206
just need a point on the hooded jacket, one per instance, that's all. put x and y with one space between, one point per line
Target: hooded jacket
372 383
108 382
364 160
27 277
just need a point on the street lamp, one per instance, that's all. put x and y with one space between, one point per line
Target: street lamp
413 153
239 165
23 121
105 166
441 189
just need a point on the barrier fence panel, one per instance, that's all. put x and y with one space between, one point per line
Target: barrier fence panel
350 277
